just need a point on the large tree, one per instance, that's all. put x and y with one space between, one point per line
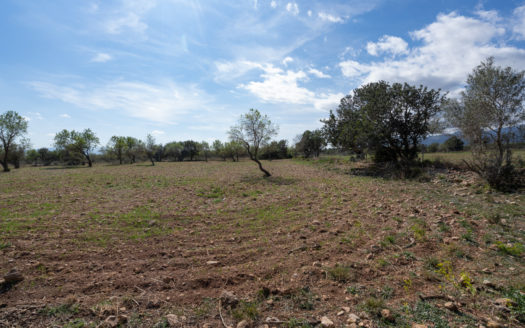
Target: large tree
12 126
77 143
487 114
253 131
390 120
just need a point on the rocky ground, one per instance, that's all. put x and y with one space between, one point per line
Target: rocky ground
216 245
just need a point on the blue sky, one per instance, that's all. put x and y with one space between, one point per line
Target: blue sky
182 69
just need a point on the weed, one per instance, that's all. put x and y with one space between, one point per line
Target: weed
297 323
518 307
205 308
352 290
466 282
425 312
509 249
4 245
432 263
419 231
388 240
245 310
373 306
340 273
63 309
443 227
387 292
407 284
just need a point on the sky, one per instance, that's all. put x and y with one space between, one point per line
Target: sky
187 69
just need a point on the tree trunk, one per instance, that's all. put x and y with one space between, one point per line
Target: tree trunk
90 164
152 162
266 173
4 165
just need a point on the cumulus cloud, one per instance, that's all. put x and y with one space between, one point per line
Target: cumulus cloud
450 47
157 132
330 18
387 44
158 103
101 58
273 4
65 115
318 73
293 8
279 86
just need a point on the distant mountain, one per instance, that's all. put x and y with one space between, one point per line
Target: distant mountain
440 138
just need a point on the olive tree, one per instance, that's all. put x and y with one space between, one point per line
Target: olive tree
12 126
150 148
77 143
253 131
487 115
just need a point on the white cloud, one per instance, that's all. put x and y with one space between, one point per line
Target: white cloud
388 44
450 48
293 8
101 58
519 22
287 60
318 73
273 4
164 102
65 116
309 12
129 17
330 18
157 132
489 15
227 71
280 86
352 68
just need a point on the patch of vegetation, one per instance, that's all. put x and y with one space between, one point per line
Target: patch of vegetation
515 249
517 308
297 323
373 306
425 313
213 192
245 311
341 273
303 299
59 310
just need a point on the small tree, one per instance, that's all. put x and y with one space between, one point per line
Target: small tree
311 143
487 114
150 148
218 149
12 126
77 143
253 131
133 149
205 149
117 146
453 144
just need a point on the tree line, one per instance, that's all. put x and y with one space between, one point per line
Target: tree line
388 121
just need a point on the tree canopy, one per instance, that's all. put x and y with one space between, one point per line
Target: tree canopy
389 120
79 143
12 126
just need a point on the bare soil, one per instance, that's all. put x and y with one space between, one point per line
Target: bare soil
145 244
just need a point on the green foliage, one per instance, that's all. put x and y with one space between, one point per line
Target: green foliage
515 249
245 310
12 126
487 114
517 307
453 144
73 143
390 120
311 143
